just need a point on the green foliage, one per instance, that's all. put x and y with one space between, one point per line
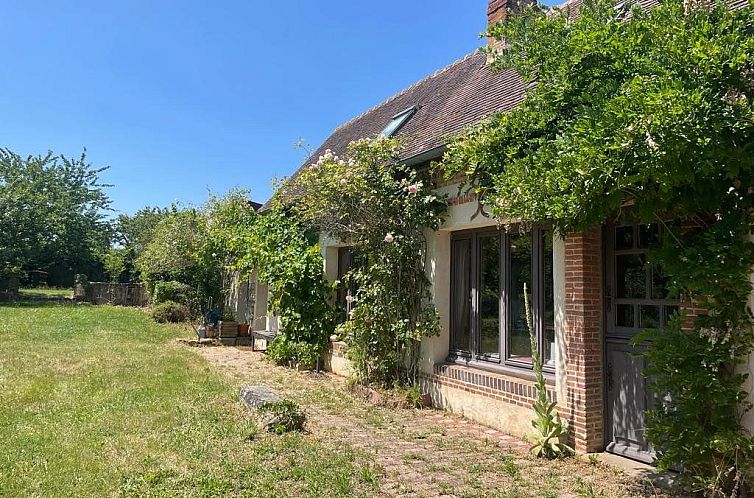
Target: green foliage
172 291
283 416
132 235
286 258
652 111
383 210
120 264
549 441
51 216
171 312
138 230
180 252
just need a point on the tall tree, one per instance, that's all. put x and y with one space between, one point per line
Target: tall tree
51 215
132 234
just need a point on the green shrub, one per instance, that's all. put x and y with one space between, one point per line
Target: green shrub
171 312
171 291
283 416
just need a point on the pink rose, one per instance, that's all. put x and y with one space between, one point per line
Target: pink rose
389 237
412 189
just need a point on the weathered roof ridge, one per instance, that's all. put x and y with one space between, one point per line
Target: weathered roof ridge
409 88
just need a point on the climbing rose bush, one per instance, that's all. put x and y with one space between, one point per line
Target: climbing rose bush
383 209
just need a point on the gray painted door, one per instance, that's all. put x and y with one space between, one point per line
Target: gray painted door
627 402
636 299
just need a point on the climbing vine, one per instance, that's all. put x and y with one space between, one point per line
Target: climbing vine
286 257
382 209
644 115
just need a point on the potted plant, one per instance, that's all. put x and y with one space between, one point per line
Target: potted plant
243 330
228 327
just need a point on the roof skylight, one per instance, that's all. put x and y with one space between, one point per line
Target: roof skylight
397 121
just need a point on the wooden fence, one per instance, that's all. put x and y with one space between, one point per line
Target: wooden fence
112 293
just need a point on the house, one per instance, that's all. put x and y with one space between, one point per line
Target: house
591 292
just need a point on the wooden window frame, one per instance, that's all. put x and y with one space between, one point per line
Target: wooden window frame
502 361
612 301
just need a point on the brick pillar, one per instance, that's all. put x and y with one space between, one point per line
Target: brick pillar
584 405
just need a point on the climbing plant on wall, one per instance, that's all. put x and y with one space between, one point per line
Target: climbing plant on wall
288 260
646 113
382 208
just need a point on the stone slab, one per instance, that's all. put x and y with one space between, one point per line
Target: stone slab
256 396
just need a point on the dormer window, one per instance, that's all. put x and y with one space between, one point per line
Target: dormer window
397 121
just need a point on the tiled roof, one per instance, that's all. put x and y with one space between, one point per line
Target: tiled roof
454 97
463 93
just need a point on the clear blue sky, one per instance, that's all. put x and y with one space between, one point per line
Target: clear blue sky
182 97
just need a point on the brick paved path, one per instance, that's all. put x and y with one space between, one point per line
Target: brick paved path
426 453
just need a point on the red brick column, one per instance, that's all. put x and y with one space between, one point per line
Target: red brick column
584 405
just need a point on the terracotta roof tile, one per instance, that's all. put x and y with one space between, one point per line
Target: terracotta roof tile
454 97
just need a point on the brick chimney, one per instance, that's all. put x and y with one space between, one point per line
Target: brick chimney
497 10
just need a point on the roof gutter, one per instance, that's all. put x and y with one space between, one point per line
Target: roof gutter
425 156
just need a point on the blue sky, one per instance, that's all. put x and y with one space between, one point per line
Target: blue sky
182 97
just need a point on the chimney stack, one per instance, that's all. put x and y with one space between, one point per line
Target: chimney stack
498 10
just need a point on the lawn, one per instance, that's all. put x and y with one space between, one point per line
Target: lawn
101 401
45 293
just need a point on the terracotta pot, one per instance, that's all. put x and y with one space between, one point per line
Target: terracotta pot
243 330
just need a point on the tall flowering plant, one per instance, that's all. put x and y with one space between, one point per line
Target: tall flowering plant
383 209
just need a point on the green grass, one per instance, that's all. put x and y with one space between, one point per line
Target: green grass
44 292
101 401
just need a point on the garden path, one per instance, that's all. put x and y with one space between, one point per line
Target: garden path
427 453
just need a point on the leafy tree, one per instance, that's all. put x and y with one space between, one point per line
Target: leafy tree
647 114
51 215
179 251
132 235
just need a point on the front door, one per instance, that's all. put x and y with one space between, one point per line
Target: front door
635 299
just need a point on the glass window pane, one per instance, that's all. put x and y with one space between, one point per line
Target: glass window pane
520 250
489 300
548 355
659 283
624 238
624 315
630 276
461 292
649 235
649 316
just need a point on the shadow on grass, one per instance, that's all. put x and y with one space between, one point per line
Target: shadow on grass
40 302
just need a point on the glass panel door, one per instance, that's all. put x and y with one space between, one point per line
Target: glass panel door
489 296
460 295
519 346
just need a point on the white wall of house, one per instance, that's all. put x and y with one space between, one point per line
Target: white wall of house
500 414
260 306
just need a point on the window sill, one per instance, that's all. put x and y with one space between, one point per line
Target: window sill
511 371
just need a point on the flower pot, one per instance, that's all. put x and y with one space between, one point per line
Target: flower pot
243 330
228 330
